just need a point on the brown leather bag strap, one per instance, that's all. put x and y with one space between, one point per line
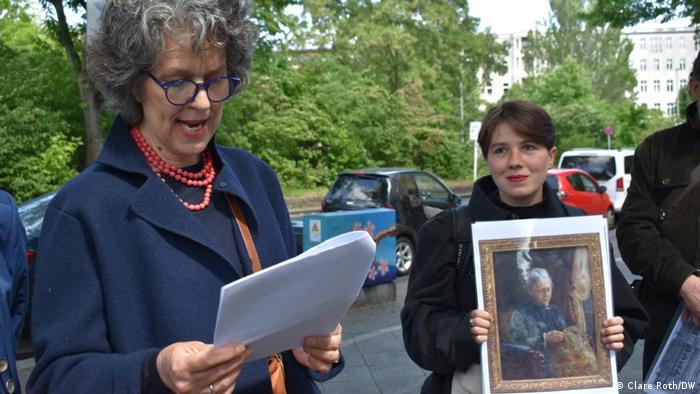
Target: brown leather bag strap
275 365
245 232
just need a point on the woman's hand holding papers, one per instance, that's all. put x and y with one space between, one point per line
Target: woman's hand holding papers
194 367
321 352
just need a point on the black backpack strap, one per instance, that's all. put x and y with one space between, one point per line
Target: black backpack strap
461 232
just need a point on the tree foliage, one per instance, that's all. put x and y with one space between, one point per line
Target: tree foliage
348 84
40 118
621 13
598 49
568 95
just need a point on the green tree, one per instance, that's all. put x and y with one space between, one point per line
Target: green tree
567 94
72 39
598 49
40 114
622 13
682 101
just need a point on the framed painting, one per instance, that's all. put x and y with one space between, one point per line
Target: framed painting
546 283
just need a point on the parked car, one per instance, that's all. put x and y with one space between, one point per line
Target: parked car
31 213
611 168
576 187
415 195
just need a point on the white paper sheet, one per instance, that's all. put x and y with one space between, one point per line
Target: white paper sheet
276 308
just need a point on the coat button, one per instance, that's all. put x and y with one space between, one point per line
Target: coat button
10 386
665 181
3 364
222 183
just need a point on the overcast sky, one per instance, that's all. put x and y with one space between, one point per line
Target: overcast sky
509 16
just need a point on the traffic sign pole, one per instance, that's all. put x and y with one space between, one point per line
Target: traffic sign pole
474 128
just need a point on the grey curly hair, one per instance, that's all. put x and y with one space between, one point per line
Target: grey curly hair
132 38
536 276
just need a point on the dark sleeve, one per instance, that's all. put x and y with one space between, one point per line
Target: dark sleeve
641 246
322 377
435 329
69 332
17 265
626 305
150 379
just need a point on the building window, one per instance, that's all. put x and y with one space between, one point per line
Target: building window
697 43
643 86
643 43
671 108
489 90
681 64
681 40
643 65
669 43
505 88
669 64
682 83
669 85
657 106
657 65
657 85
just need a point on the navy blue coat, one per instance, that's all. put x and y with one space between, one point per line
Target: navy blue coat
124 269
13 288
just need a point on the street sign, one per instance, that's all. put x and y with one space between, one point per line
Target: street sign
608 131
474 128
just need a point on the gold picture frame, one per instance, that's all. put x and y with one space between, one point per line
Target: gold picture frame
552 345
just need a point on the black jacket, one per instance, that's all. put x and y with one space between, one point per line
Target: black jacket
660 243
435 316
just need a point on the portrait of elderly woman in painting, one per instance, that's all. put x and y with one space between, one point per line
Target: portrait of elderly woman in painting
135 249
540 332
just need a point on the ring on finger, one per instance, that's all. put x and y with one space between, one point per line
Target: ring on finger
471 322
211 389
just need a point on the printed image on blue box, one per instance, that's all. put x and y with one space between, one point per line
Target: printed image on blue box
380 223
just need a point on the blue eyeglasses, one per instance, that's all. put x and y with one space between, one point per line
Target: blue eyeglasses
183 91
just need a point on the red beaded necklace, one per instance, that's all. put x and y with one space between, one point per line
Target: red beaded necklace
202 178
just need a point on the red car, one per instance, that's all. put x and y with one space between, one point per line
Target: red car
575 187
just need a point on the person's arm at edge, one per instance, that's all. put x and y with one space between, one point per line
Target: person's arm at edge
17 244
641 246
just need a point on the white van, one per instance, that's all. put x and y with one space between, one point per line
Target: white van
611 168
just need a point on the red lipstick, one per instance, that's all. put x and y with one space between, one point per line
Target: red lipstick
517 178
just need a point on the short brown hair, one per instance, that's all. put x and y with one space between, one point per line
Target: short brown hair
527 118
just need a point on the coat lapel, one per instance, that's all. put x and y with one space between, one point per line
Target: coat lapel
155 203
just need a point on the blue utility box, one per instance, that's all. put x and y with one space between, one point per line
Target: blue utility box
380 223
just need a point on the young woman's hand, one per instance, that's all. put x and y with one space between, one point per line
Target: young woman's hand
480 323
613 333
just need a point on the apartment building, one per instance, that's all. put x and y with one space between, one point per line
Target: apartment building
662 59
499 84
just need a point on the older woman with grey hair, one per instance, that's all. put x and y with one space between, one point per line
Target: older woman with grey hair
537 323
135 249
